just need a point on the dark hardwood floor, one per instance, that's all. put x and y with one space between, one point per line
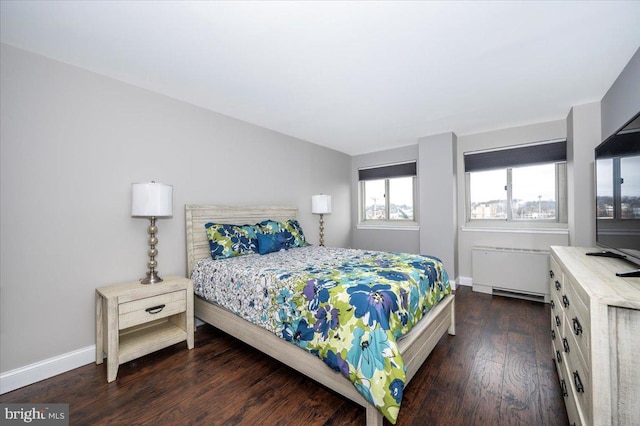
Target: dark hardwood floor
497 370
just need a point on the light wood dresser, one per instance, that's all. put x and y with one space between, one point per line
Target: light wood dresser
134 319
595 330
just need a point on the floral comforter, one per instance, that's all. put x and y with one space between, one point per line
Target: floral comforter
348 307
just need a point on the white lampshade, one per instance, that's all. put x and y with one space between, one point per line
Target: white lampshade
321 204
151 199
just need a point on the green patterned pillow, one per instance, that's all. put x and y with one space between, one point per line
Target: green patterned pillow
231 240
270 226
293 227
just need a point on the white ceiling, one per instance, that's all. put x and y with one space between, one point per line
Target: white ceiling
353 76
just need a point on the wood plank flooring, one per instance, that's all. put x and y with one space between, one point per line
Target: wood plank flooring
497 370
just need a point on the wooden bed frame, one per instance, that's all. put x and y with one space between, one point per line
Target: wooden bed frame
415 347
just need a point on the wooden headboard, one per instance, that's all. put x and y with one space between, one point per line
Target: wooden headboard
197 215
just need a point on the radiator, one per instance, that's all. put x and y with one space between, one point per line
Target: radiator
512 272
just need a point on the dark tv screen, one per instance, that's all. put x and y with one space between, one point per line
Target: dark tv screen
617 162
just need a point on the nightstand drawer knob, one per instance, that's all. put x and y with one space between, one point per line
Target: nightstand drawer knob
558 286
155 309
565 300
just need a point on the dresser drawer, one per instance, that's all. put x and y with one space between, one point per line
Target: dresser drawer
579 377
557 315
558 358
577 290
578 321
555 276
567 392
151 308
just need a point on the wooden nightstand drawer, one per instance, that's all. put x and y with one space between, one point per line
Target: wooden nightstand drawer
151 308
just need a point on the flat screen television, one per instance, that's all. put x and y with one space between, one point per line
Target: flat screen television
617 171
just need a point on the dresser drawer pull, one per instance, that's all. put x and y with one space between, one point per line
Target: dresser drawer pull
558 286
563 385
558 357
553 305
551 274
578 382
553 335
558 322
577 327
155 309
565 300
565 343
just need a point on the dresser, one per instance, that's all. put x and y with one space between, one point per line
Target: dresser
595 331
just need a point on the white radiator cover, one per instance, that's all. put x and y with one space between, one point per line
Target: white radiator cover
511 272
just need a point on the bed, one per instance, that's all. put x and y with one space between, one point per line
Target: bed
413 348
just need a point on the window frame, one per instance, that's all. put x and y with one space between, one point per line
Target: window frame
364 223
502 159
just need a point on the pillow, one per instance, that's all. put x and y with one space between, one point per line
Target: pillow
269 243
270 226
231 240
291 228
293 232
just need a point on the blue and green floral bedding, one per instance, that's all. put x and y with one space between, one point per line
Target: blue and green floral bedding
348 307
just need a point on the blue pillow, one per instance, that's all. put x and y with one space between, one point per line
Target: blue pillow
269 243
231 240
291 229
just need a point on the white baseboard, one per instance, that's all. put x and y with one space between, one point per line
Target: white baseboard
41 370
466 281
479 288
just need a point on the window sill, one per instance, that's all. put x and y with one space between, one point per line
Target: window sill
517 230
389 226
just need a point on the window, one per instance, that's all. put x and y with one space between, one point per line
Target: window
520 184
387 194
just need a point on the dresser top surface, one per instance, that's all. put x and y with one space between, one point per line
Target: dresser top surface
598 276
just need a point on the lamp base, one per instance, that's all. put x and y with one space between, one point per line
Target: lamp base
321 230
151 278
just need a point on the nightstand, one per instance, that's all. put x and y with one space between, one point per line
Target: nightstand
134 319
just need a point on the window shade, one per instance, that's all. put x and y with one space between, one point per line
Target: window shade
386 172
552 152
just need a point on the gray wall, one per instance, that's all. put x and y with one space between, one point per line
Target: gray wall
437 176
622 101
436 203
583 135
72 142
